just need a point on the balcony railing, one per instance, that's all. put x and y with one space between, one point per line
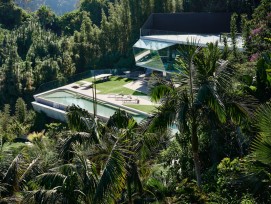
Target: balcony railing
149 32
77 77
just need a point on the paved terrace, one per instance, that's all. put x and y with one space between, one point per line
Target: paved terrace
138 85
118 99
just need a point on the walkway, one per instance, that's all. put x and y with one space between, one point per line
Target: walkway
138 85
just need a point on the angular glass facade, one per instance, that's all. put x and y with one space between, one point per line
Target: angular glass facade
156 55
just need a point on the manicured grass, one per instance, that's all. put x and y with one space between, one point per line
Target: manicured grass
115 86
144 108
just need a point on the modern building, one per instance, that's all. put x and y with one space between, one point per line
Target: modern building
162 34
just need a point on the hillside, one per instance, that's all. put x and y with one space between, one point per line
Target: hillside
58 6
201 135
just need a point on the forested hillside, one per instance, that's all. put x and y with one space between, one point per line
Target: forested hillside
99 34
222 110
58 6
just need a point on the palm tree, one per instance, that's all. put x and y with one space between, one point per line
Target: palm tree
116 152
256 167
18 174
198 88
81 181
262 144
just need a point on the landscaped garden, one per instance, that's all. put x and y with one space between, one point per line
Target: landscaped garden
115 85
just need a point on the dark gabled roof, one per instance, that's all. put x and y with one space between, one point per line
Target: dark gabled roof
200 23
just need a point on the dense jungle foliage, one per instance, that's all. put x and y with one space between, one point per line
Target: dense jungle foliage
221 109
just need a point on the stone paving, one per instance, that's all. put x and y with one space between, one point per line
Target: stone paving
138 85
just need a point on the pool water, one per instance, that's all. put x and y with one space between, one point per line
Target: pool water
104 109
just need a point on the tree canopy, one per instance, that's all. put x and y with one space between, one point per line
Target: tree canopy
219 102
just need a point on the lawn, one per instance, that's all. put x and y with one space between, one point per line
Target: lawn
115 86
144 108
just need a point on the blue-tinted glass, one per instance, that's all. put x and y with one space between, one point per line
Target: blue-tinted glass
156 55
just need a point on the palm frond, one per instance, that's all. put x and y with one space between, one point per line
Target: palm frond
164 116
255 173
157 188
42 196
187 52
239 108
79 119
263 118
134 176
218 109
30 171
88 174
183 112
12 175
147 142
119 119
261 146
209 96
113 177
51 180
97 127
159 92
262 149
3 188
65 169
66 147
223 77
210 69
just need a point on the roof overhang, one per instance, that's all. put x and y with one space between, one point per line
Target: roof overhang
152 44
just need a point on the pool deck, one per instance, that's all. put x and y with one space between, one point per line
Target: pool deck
115 98
138 85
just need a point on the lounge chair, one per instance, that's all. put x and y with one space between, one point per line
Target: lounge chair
86 85
134 101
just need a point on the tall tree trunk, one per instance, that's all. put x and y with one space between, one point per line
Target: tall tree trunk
195 149
129 190
240 140
214 150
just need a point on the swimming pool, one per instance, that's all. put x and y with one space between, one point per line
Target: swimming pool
60 99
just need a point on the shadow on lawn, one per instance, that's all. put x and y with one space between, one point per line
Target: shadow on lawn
118 78
114 78
137 93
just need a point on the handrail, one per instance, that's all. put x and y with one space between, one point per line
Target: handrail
148 32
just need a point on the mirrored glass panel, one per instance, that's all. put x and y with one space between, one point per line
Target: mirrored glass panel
148 59
156 55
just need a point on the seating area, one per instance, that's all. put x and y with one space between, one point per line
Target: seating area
136 101
115 96
103 77
86 85
124 98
